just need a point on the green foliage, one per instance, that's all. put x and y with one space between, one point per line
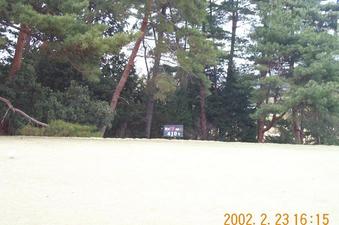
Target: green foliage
73 63
319 104
3 41
59 128
285 136
30 130
64 33
165 86
180 108
296 57
80 108
201 53
128 120
73 104
321 128
229 110
191 11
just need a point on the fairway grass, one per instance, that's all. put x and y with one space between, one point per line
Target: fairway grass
79 181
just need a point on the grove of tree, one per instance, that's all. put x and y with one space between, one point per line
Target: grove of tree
228 70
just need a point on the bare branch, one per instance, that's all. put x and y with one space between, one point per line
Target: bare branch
22 113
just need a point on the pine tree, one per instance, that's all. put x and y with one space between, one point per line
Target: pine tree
228 106
177 33
293 52
60 31
130 63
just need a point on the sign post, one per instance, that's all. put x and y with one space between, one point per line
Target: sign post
173 131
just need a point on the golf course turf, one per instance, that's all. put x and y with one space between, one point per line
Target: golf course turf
79 181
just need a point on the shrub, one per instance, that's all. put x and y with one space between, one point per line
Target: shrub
29 130
59 128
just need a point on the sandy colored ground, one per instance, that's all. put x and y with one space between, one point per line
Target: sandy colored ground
56 181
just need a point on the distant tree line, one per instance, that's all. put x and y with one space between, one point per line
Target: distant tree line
228 70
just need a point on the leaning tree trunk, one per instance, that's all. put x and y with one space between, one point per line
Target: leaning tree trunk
22 41
156 68
203 120
130 64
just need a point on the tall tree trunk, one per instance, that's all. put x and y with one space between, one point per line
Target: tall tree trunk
296 127
122 130
4 128
296 123
156 69
149 116
129 66
203 120
235 18
261 130
213 76
22 41
261 119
